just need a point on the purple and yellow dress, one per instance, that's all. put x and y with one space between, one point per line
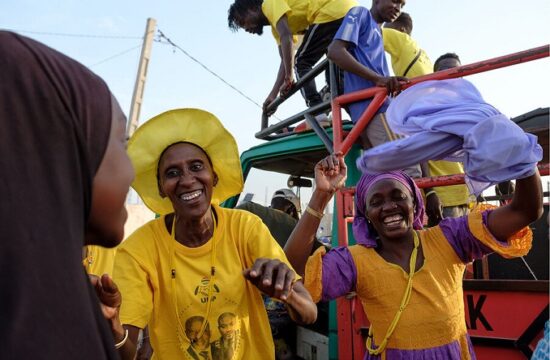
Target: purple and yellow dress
433 324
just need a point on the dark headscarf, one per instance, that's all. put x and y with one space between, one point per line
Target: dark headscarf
55 121
364 233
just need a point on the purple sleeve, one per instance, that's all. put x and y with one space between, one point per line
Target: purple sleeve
350 28
339 273
461 239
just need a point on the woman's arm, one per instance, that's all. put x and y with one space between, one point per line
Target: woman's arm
300 306
330 175
525 207
275 279
110 300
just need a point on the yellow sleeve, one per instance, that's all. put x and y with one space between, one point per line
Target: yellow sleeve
132 279
273 11
517 245
313 281
99 260
391 42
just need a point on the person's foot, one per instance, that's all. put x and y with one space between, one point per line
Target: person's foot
325 93
323 120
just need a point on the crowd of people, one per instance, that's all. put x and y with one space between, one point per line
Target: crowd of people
198 277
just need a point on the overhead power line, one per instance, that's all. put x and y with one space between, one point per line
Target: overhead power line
115 55
170 42
118 37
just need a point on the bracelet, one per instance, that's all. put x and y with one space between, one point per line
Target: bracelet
123 341
315 213
430 193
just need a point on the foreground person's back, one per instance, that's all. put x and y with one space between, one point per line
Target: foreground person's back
55 121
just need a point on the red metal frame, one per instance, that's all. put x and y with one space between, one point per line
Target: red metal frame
350 313
379 93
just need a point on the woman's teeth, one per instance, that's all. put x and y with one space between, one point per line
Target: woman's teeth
191 195
391 220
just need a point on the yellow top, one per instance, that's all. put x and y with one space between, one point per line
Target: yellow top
403 49
99 260
449 195
237 324
303 13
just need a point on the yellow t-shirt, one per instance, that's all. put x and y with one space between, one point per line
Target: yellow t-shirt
238 324
403 49
302 13
449 195
99 260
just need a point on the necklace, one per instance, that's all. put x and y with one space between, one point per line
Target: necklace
210 283
404 302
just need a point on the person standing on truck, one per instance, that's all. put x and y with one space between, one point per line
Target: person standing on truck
407 58
447 61
178 274
358 49
317 20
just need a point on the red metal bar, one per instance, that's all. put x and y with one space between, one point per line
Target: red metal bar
544 169
439 181
343 306
364 120
337 135
458 179
344 321
485 65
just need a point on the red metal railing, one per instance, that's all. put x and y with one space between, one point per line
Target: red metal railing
379 93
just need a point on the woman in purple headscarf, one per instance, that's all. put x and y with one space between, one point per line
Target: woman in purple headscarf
409 280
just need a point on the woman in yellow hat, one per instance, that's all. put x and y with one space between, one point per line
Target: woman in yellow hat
195 275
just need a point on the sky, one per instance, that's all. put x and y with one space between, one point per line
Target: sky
474 29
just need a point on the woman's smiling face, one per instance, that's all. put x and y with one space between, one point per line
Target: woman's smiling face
187 178
390 208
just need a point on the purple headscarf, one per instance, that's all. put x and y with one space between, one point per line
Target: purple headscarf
364 233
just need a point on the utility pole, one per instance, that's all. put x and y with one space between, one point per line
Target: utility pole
137 97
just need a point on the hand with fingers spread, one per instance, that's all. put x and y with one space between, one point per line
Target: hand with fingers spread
330 173
392 83
272 277
276 279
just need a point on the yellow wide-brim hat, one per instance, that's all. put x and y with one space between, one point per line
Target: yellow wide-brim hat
195 126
